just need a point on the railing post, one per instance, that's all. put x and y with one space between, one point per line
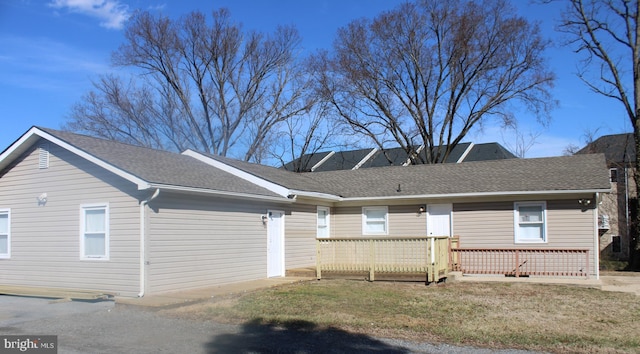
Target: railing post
587 262
372 259
318 261
517 264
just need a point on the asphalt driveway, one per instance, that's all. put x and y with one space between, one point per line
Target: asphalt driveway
103 327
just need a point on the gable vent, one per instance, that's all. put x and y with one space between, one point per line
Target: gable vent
43 156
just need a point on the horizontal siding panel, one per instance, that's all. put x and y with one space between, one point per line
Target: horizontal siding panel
404 220
491 225
46 239
197 241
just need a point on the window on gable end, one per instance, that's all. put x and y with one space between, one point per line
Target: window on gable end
94 231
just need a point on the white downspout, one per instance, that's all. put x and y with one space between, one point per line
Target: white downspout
143 204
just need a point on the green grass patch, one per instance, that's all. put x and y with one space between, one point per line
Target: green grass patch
493 315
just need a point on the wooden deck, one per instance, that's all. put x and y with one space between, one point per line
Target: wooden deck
425 257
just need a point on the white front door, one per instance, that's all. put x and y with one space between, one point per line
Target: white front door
275 243
439 219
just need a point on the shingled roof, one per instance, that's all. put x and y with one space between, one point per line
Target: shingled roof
161 169
367 158
512 176
508 176
158 167
617 148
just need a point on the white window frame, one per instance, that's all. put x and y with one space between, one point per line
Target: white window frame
327 224
83 209
365 220
8 233
517 223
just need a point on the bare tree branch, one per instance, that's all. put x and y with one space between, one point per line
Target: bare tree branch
424 74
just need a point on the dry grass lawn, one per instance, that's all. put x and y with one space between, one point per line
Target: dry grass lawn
493 315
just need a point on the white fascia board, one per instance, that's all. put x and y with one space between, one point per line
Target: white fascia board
324 159
480 194
465 153
316 195
234 195
22 144
275 188
418 151
365 159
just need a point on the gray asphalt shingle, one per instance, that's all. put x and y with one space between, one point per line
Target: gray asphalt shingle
160 167
567 173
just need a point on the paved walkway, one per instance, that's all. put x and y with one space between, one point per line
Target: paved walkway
630 282
180 298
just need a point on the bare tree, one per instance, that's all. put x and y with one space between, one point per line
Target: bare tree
424 74
520 142
606 34
206 85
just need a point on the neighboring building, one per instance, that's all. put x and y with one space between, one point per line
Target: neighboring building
617 207
82 212
365 158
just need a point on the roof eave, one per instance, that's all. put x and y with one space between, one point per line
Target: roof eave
315 195
477 194
228 194
259 181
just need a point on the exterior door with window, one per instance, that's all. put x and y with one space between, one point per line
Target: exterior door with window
439 219
275 243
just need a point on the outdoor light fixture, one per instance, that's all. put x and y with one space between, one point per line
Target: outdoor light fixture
42 199
421 210
584 201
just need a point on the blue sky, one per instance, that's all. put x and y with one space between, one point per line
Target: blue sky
50 50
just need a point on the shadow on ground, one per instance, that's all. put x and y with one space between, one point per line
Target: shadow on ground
296 337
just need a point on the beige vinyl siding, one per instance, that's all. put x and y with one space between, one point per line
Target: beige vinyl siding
491 225
300 235
45 242
196 242
404 220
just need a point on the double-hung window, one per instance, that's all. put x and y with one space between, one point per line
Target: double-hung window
530 222
94 231
323 222
375 220
5 233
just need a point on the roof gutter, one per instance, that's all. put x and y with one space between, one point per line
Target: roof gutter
143 243
478 194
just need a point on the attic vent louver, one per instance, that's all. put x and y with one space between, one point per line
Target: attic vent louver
43 156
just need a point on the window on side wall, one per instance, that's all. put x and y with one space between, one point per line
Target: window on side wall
94 231
5 233
323 222
375 221
530 222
